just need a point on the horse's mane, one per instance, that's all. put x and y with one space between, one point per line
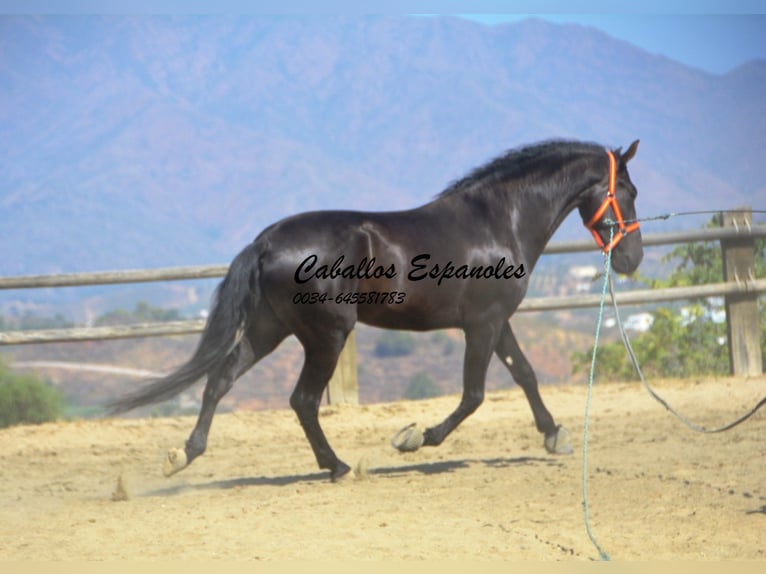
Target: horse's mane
532 161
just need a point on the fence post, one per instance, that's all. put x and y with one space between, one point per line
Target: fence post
344 385
742 318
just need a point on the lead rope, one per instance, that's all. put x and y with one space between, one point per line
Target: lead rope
629 348
586 508
626 341
692 425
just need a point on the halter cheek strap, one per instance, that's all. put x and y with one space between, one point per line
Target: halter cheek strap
610 201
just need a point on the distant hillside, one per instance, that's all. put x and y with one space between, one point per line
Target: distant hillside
141 142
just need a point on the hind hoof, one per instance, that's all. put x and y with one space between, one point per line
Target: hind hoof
175 461
558 443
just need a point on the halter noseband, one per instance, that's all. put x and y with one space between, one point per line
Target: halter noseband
610 201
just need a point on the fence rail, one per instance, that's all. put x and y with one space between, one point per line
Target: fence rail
113 277
532 304
740 291
215 271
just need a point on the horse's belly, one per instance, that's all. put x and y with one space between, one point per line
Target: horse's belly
406 310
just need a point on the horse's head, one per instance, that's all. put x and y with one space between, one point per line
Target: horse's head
611 203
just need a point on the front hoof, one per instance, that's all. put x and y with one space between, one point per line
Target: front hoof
558 442
175 461
408 439
342 472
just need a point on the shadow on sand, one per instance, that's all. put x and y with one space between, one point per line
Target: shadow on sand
427 468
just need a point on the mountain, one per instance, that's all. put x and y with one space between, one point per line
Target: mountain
158 141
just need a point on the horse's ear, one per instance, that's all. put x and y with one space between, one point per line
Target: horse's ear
628 155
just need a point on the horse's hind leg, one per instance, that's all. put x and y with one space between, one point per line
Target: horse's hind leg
220 380
509 352
321 356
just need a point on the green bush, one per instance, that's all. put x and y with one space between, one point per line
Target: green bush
421 387
442 338
675 346
672 347
27 399
143 313
395 344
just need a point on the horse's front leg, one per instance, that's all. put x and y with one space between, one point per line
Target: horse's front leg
479 343
508 350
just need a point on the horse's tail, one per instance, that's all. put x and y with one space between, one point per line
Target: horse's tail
235 296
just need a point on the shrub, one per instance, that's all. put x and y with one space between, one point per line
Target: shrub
672 347
27 399
143 313
676 346
395 344
421 387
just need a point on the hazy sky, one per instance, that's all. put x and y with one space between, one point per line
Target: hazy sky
712 35
714 43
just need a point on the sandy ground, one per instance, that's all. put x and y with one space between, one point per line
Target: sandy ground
656 490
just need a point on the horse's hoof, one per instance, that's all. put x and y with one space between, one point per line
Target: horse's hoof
409 439
175 461
341 473
558 443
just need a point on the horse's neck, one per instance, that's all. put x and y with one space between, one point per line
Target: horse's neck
540 210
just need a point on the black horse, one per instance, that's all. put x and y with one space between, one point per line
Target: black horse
463 260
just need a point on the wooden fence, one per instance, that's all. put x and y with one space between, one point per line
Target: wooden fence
740 291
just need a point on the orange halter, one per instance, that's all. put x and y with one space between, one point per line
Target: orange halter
610 201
